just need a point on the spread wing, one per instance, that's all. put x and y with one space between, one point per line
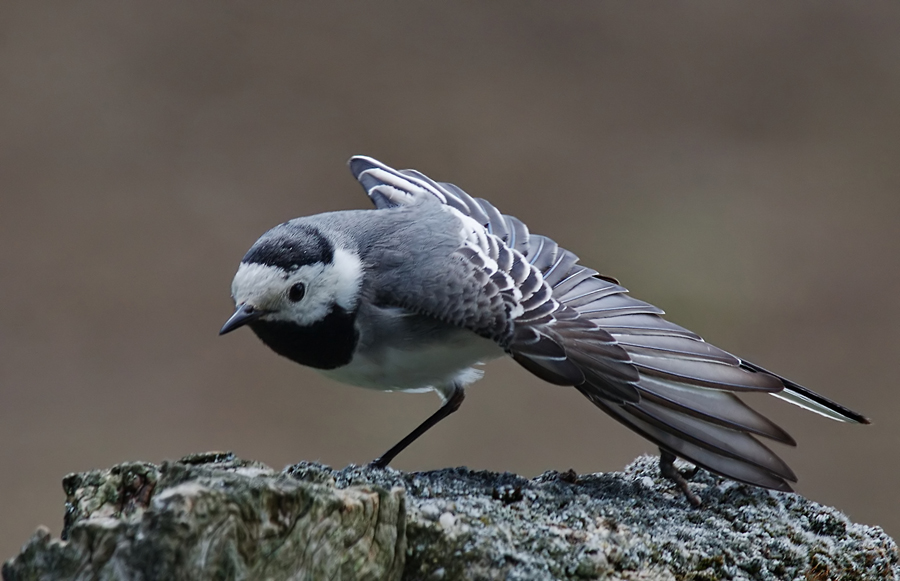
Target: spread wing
569 325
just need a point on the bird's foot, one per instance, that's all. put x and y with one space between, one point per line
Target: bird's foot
379 463
668 470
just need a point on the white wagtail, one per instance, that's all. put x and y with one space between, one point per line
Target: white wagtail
411 295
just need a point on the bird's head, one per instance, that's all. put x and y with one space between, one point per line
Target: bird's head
295 274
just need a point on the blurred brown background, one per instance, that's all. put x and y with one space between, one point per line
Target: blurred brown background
737 164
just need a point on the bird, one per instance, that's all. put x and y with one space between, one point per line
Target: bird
414 294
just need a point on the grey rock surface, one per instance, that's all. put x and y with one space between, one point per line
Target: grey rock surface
212 516
216 517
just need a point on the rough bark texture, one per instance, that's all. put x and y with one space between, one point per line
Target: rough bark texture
212 516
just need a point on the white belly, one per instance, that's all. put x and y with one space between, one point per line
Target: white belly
419 367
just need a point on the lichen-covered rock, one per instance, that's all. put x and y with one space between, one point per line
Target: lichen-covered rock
630 525
216 517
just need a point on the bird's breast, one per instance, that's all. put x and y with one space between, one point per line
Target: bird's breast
327 344
421 367
403 351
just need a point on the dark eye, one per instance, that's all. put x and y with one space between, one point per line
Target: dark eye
298 289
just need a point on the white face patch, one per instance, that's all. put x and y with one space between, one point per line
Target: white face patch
267 287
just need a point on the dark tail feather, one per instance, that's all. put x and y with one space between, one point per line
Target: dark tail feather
735 468
810 400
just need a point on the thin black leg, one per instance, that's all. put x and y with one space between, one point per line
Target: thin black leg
451 405
668 470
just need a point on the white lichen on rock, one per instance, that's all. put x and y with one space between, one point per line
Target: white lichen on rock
215 517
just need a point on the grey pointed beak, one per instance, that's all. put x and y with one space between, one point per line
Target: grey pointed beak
244 314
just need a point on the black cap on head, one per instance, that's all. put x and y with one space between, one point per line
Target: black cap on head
290 246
